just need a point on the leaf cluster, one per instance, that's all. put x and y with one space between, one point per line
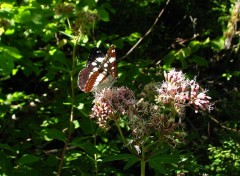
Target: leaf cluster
38 84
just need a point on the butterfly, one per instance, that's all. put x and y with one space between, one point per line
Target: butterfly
100 71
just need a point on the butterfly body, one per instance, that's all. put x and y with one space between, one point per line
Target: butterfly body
100 71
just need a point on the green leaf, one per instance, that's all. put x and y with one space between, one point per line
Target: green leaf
89 148
54 134
5 164
103 14
23 16
52 161
184 53
7 64
131 162
133 37
118 157
218 43
206 42
89 3
199 60
9 31
7 147
11 52
39 53
86 124
28 159
158 167
169 58
86 146
159 160
194 45
7 56
167 159
46 2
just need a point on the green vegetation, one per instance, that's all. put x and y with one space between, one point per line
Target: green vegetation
46 122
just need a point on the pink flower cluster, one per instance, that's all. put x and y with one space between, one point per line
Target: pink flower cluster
111 101
181 92
157 112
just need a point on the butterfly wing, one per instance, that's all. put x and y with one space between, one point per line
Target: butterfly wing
95 53
111 55
100 71
83 77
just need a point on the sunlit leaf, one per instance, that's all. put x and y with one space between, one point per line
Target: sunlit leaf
218 43
11 51
55 134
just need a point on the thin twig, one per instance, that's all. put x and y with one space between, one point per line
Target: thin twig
66 144
58 150
147 33
223 126
72 108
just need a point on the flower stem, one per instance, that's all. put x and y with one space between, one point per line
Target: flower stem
120 131
143 162
95 156
72 107
143 167
124 140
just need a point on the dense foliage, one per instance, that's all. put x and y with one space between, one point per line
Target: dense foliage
45 124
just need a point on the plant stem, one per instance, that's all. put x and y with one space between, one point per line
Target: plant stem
143 167
120 131
95 156
72 107
124 140
143 162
